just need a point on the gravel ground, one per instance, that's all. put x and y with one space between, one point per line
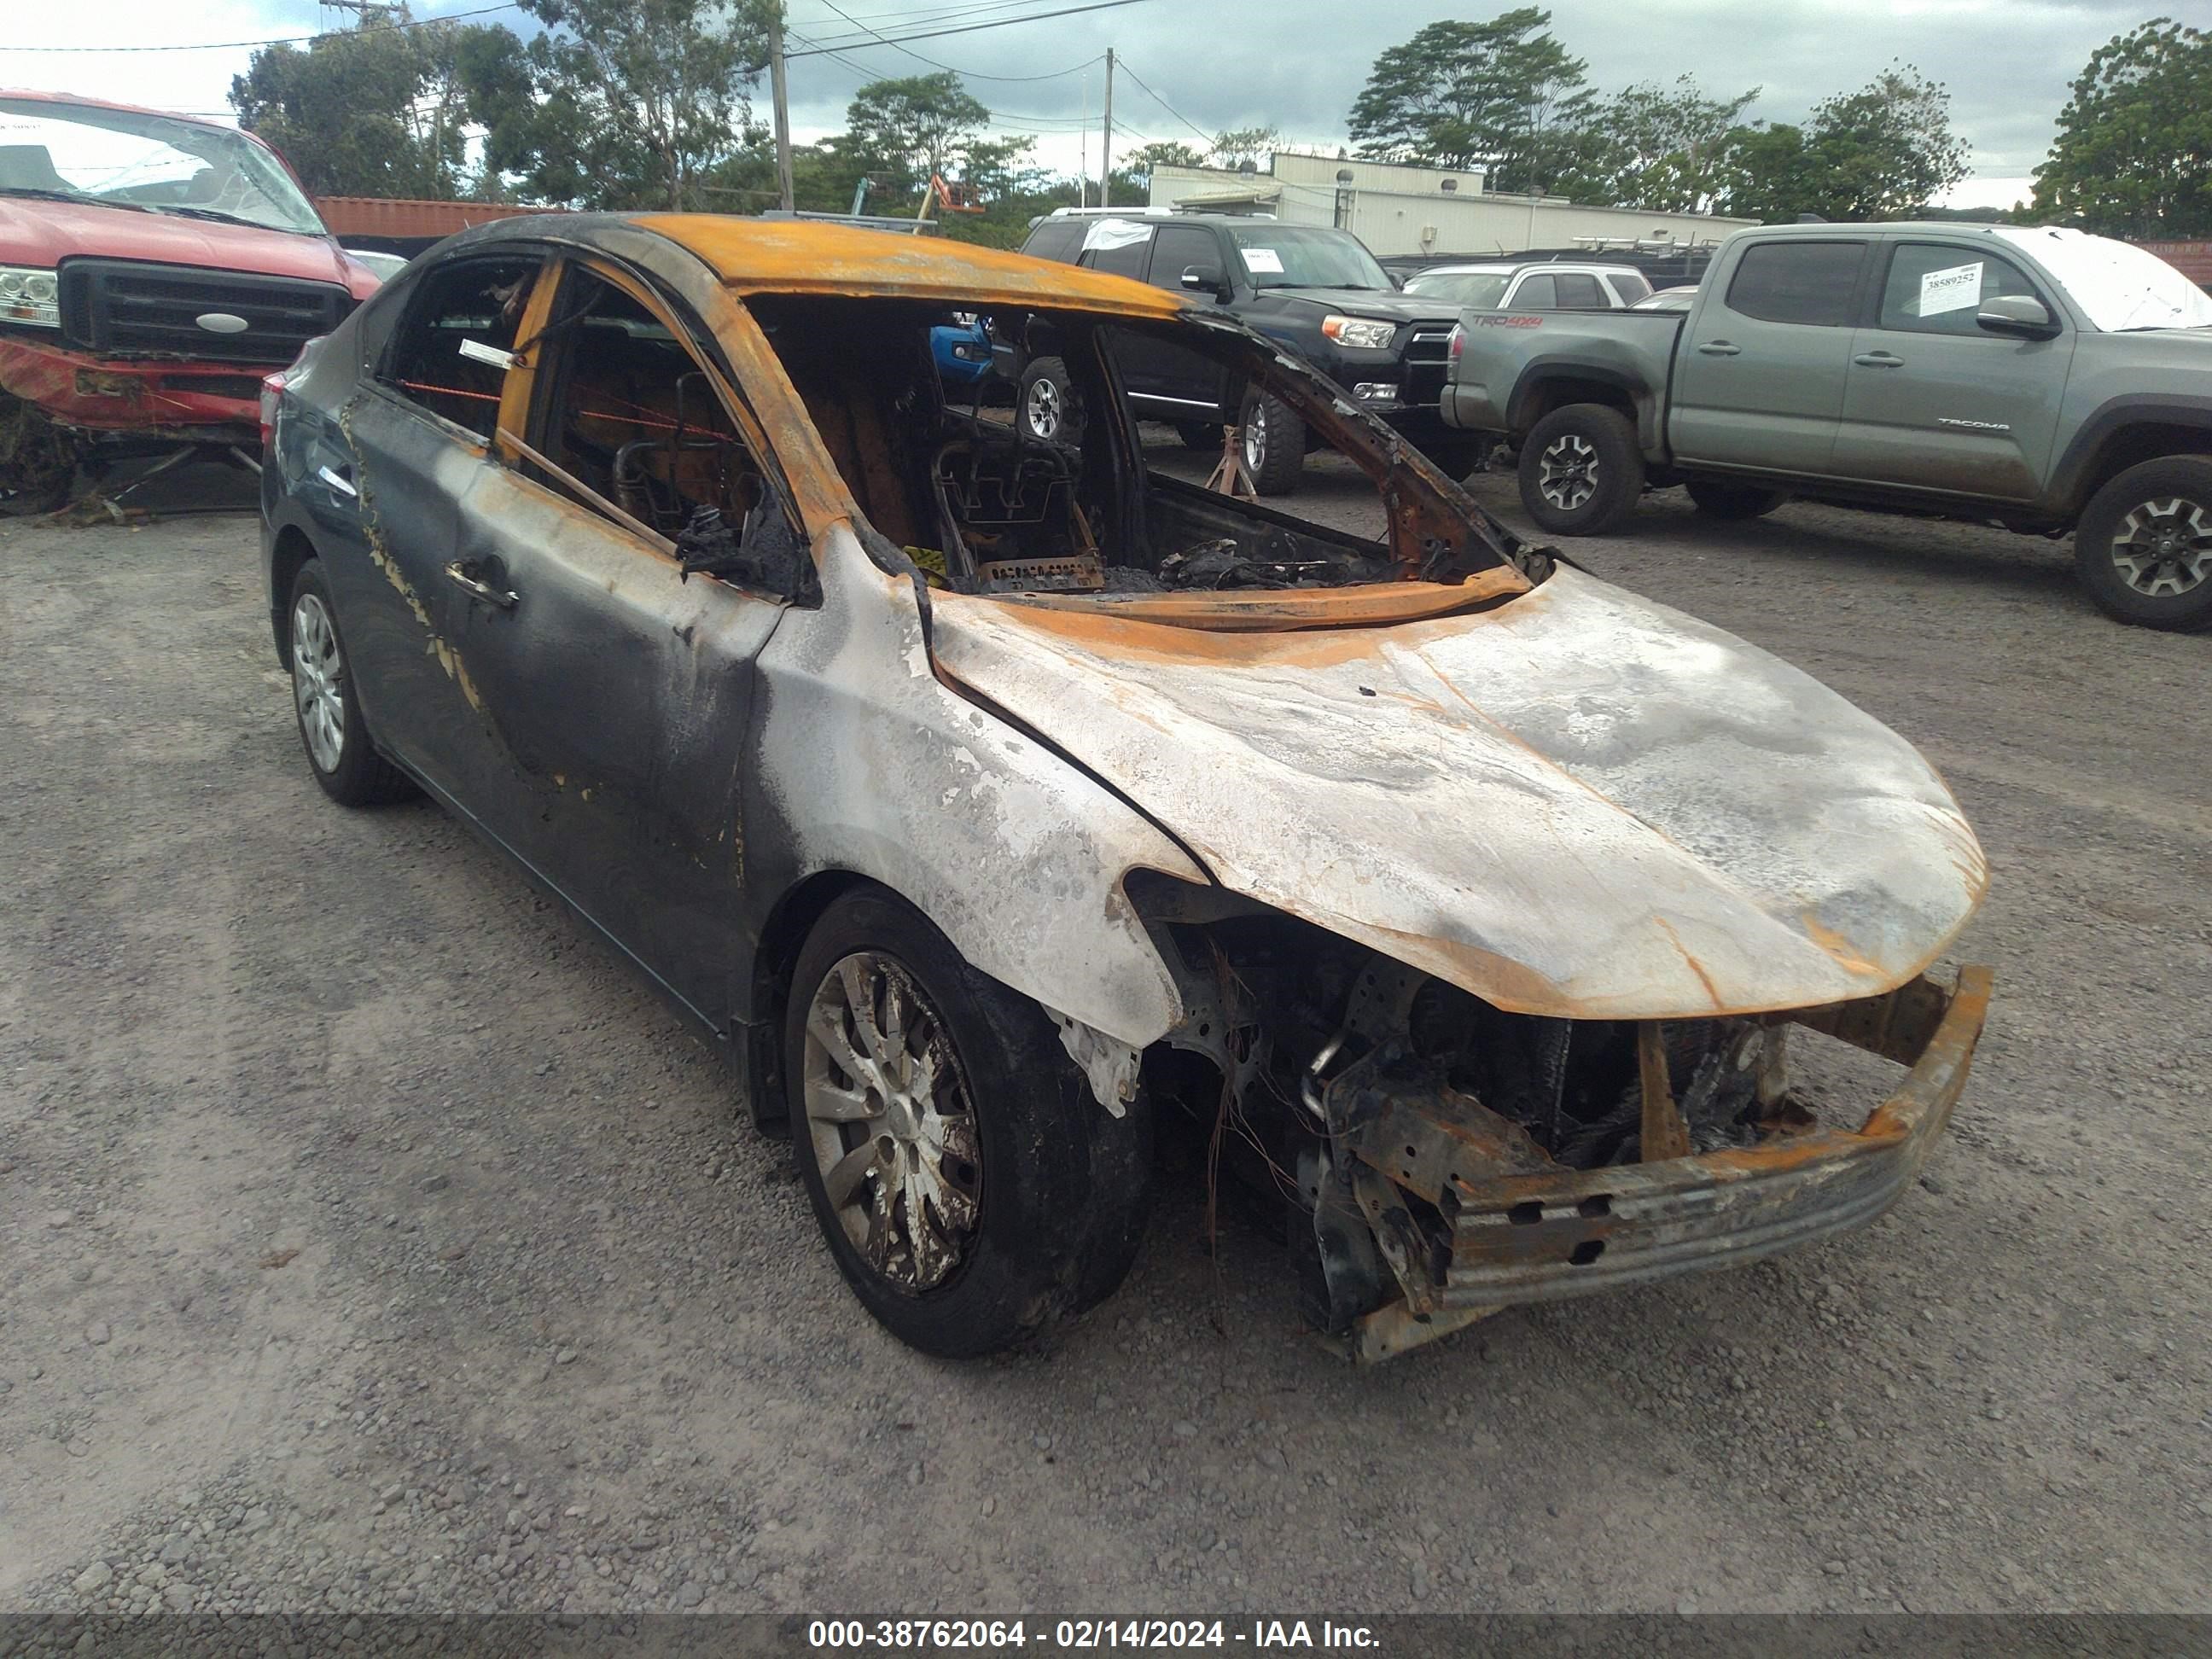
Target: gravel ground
370 1241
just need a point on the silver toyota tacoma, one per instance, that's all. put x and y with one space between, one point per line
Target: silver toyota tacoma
2045 380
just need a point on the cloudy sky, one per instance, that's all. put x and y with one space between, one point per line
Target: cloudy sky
1294 64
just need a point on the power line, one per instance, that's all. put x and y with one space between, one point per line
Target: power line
971 28
966 74
281 40
1164 103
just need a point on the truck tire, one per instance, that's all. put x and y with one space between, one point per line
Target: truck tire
1274 444
1728 501
38 460
919 1087
1048 409
1204 436
1581 471
1458 455
2144 546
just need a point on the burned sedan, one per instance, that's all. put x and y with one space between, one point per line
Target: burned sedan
984 796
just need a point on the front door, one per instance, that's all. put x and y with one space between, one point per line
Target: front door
1934 402
615 692
1759 374
412 443
1167 382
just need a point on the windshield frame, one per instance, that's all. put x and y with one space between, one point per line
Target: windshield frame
269 187
1271 235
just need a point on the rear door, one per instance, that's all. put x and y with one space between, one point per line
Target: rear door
1760 369
1932 402
614 693
417 439
1176 384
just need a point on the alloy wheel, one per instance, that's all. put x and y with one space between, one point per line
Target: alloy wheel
1567 471
318 675
2163 549
1042 409
890 1122
1255 439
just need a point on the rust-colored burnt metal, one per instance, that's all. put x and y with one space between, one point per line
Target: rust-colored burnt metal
1516 1227
1664 1134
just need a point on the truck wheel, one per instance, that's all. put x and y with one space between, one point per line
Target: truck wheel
1048 409
1581 471
1204 436
1458 455
1274 444
38 461
1716 500
2144 544
971 1188
339 750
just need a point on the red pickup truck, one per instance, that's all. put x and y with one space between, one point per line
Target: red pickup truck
152 270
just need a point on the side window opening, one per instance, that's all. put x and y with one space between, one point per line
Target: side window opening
1934 289
626 410
1538 293
1579 291
1629 289
449 352
1813 283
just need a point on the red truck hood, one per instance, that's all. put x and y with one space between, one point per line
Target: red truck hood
36 231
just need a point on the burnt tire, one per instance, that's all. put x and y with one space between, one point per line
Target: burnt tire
1060 1187
1047 408
1580 471
1203 436
1274 444
333 733
1732 502
2144 546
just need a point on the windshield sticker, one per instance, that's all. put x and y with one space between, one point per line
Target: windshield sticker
1114 232
1263 258
1952 290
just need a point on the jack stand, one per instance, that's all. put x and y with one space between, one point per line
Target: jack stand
1230 476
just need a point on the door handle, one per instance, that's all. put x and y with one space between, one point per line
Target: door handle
1878 359
1720 349
340 481
464 577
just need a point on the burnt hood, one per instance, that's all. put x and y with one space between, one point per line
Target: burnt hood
1578 802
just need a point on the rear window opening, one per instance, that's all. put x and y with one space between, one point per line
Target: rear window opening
1104 506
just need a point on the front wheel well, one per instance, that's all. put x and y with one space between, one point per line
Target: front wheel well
290 555
781 939
2131 446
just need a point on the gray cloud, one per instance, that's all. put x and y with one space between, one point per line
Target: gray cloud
1296 64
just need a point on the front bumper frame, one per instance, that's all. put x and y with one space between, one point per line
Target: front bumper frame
1524 1230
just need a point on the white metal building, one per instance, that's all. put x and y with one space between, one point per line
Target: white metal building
1404 210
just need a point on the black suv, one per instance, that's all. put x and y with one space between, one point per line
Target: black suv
1317 292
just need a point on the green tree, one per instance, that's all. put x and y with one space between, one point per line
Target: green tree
1887 149
374 110
1504 95
2134 152
1238 145
620 103
913 128
1137 165
1662 148
1882 152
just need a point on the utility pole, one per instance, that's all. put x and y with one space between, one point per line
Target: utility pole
1106 148
782 98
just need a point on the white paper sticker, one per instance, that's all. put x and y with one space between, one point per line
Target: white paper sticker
1953 290
1114 232
482 353
1263 258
